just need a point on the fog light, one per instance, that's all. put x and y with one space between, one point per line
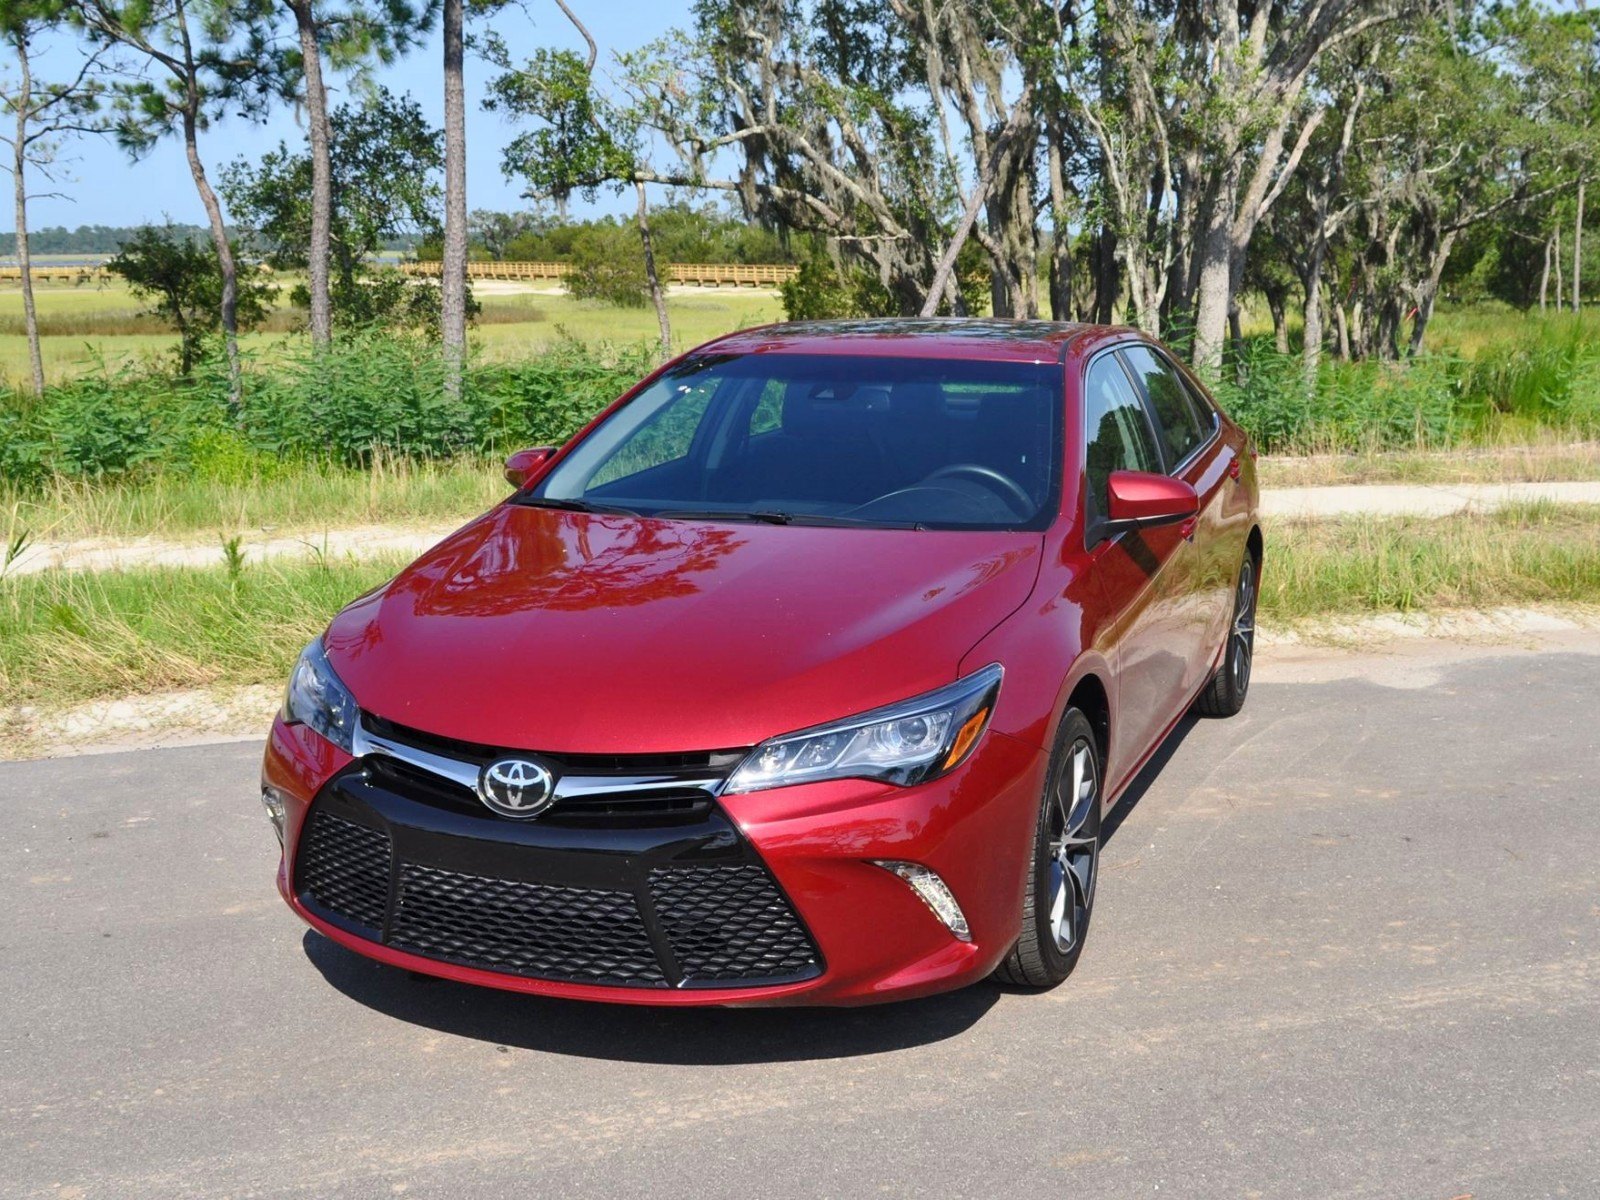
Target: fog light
272 801
935 893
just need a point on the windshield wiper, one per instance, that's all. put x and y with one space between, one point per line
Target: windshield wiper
581 506
766 516
774 517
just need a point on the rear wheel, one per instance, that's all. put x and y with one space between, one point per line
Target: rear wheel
1064 865
1224 695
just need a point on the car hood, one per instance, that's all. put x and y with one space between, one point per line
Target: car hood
569 632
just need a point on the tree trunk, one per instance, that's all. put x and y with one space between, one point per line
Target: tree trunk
1428 293
1106 283
1060 239
321 173
453 286
19 165
1561 287
1544 278
1277 305
1577 253
219 242
1213 298
657 298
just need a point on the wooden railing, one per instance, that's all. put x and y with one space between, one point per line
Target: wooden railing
67 274
698 274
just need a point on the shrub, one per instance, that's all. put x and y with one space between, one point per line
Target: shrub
608 265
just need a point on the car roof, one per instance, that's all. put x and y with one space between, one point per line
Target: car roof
971 338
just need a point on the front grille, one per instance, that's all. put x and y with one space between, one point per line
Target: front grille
696 769
529 928
346 867
692 924
728 923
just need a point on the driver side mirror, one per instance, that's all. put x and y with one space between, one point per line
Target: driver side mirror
1140 499
524 465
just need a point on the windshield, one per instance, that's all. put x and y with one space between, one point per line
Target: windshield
812 439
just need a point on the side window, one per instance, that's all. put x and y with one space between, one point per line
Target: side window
665 438
768 414
1177 423
1116 429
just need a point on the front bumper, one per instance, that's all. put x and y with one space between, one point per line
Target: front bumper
765 898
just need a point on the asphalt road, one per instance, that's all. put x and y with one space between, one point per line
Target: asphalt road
1346 945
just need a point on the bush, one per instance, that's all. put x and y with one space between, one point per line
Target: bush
371 394
608 265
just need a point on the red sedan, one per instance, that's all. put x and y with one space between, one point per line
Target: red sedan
806 673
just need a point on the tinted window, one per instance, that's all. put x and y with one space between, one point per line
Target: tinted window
1116 428
858 440
1177 423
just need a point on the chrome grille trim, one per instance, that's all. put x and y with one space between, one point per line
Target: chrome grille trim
465 774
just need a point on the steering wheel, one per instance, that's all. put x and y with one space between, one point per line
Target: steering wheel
1004 484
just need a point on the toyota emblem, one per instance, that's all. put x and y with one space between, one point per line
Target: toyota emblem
516 787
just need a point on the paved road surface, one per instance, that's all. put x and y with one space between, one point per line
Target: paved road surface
1346 945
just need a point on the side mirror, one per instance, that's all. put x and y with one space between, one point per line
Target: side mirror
522 466
1138 499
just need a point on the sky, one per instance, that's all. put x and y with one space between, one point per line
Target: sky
102 187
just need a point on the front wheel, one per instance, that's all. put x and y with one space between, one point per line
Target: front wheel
1224 695
1064 864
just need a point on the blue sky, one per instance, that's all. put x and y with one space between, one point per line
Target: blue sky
104 188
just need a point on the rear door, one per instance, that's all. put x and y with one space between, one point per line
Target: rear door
1201 584
1141 635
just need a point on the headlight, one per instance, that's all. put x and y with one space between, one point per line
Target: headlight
906 743
317 698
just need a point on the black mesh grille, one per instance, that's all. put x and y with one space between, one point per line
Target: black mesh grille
529 928
345 868
728 923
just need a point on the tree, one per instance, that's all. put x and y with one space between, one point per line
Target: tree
212 59
385 161
579 143
43 113
351 37
183 278
453 283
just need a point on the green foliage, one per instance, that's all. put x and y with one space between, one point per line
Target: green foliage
1547 378
821 290
578 142
608 265
371 396
824 290
182 278
386 163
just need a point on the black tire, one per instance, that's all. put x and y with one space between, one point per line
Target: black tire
1224 696
1065 861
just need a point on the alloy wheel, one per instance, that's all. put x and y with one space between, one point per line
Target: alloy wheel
1074 845
1241 643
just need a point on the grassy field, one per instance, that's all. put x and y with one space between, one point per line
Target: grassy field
1540 458
178 507
86 324
66 638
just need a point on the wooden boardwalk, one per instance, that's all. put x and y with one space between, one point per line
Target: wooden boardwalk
697 274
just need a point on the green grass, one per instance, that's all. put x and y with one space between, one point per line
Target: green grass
302 498
67 638
71 637
1541 458
1520 554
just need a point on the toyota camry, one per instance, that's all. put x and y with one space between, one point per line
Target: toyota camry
806 673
